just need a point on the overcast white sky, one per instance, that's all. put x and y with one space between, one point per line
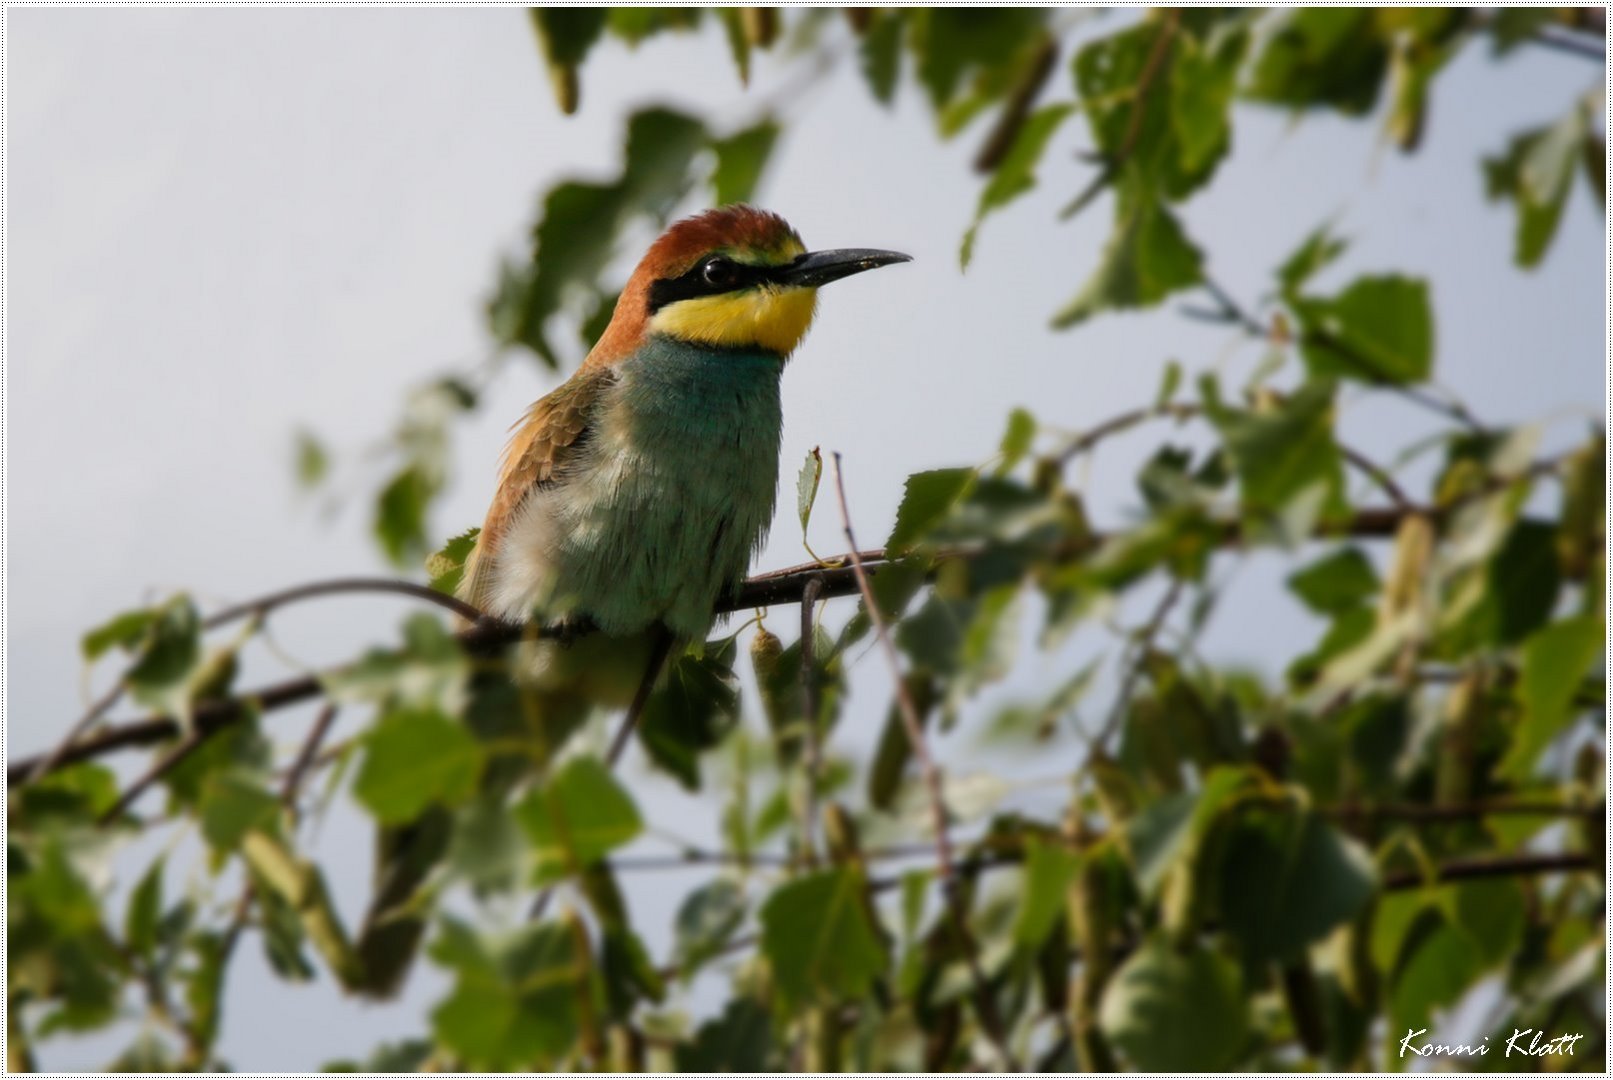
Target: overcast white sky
226 224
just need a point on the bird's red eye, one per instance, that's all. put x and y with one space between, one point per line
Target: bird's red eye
718 273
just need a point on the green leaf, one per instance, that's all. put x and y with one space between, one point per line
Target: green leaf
1287 879
577 818
1016 440
706 921
818 936
1202 80
1380 330
1146 258
1169 830
950 42
566 35
881 54
1169 1011
1536 172
124 630
1318 251
1439 968
1491 914
806 488
1521 585
1169 380
313 463
446 568
733 26
576 235
1282 452
1555 661
1322 57
1048 870
232 804
400 514
691 711
738 1041
926 499
144 911
741 158
635 24
1016 174
1336 583
517 1001
414 757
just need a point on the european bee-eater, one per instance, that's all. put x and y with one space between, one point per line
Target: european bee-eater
635 494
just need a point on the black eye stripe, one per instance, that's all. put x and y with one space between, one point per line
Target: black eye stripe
693 283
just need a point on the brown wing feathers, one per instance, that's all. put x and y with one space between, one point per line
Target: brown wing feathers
552 430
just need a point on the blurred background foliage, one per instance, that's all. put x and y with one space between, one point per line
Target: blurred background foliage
1249 873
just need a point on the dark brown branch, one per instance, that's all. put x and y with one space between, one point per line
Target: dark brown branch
784 586
1506 866
259 607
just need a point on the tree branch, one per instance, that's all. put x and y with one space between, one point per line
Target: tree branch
784 586
265 604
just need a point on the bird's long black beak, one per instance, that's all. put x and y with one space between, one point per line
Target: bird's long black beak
822 267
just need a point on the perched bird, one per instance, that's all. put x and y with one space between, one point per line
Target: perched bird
630 499
633 496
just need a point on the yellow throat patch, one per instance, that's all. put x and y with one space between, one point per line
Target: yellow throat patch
772 317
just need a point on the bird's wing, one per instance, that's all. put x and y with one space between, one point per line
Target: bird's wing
551 433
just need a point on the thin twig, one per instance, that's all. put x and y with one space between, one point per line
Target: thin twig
908 711
1090 438
1143 643
157 771
659 650
810 752
265 604
305 757
307 754
1012 118
1185 410
1574 46
1232 311
1378 475
931 773
49 762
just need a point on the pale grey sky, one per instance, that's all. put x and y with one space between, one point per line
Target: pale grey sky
226 224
